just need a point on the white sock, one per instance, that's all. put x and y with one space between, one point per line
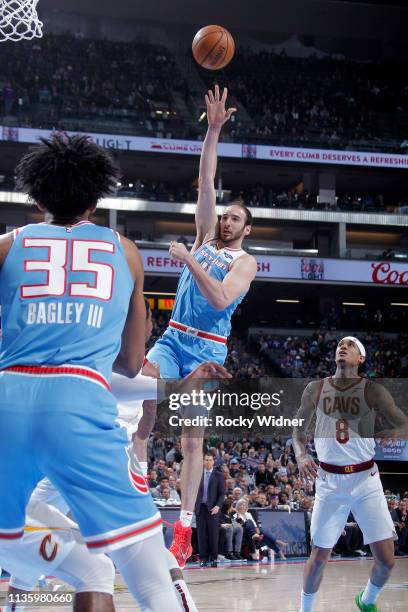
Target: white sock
183 594
371 593
186 518
307 601
143 466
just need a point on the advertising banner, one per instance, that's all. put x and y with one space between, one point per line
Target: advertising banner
306 269
225 149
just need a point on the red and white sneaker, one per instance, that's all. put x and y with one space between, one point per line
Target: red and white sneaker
181 546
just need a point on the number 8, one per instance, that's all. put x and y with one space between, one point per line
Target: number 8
342 431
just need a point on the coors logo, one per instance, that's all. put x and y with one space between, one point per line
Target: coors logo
384 275
312 269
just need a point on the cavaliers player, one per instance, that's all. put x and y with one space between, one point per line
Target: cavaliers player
346 406
72 309
216 277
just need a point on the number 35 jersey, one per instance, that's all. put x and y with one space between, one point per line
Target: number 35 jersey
65 295
344 422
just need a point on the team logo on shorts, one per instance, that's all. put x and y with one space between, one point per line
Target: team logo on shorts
46 552
136 477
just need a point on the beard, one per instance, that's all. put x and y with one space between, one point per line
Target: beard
232 236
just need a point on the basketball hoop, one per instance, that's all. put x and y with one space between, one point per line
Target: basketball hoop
19 20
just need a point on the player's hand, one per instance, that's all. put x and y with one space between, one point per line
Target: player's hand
216 113
215 510
151 369
388 436
178 251
210 370
307 467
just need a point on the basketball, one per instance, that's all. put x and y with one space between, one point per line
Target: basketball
213 47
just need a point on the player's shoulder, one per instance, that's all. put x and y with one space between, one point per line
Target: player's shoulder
126 243
314 388
246 262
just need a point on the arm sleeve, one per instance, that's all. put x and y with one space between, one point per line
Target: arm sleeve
132 389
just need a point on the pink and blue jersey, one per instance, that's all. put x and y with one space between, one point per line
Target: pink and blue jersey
65 295
197 332
191 308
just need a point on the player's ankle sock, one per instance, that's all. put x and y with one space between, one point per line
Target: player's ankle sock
371 593
143 467
186 518
307 601
183 594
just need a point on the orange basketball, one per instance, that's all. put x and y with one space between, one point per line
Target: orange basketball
213 47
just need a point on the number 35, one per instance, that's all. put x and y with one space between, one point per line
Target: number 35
55 267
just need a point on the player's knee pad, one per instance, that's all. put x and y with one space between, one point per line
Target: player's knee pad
98 575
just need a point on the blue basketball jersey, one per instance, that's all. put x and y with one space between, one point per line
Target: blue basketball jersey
65 295
191 307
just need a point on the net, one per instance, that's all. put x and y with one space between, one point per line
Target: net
19 20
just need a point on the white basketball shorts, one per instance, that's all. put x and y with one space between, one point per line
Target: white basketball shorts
339 494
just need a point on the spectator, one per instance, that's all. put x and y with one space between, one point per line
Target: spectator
253 535
230 533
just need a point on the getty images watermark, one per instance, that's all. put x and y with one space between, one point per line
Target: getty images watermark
194 407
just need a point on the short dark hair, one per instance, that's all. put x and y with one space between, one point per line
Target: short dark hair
67 174
248 214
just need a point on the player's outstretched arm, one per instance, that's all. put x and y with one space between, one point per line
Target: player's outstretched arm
220 294
206 216
130 358
307 466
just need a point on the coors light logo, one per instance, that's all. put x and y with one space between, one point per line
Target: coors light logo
312 269
383 274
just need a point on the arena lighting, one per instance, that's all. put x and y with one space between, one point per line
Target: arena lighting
401 256
202 116
398 304
353 303
288 301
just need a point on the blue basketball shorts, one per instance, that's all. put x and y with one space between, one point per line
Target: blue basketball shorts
63 427
178 353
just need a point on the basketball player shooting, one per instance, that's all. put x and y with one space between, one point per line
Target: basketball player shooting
346 407
216 277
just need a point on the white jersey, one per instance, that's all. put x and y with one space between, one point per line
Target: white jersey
344 422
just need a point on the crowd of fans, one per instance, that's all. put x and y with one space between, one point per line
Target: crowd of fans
70 82
309 356
326 101
313 356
